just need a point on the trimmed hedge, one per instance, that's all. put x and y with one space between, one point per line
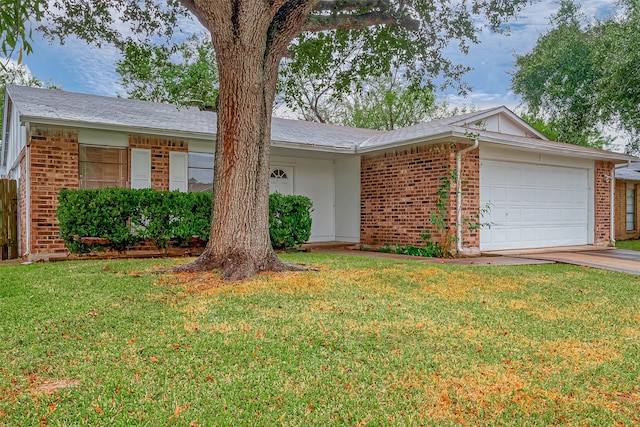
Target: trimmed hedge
125 216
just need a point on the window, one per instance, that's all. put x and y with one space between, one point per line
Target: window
631 207
102 167
200 172
281 180
278 173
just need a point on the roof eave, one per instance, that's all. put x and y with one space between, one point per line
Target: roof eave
413 141
563 149
313 147
118 128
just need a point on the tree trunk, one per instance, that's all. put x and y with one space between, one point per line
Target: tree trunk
249 38
239 244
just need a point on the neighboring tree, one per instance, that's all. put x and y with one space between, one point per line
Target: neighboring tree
250 38
14 73
184 74
557 131
15 28
618 55
388 103
581 79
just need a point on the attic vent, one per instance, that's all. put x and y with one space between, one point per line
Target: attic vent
278 173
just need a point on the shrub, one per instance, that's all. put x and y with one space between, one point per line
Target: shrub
125 216
289 220
96 213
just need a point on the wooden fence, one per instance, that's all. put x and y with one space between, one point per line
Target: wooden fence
8 219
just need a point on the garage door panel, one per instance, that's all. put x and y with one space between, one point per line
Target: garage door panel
533 205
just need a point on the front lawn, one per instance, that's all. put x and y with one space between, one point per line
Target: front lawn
363 341
633 245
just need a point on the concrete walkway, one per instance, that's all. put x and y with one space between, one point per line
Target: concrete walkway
621 260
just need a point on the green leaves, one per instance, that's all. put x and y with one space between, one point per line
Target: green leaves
184 74
15 28
579 79
125 216
289 220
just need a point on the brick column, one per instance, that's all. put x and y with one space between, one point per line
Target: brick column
53 163
602 206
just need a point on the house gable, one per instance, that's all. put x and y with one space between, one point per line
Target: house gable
500 120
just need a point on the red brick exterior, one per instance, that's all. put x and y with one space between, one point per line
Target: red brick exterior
52 159
398 189
604 171
53 165
398 194
160 148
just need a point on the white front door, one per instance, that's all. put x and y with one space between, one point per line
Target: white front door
281 180
533 205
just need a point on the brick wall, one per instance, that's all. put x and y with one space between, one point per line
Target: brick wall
160 148
53 162
603 172
398 193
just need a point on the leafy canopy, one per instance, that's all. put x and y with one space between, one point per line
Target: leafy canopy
15 28
582 78
184 74
367 37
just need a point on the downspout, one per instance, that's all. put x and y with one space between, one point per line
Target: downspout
459 193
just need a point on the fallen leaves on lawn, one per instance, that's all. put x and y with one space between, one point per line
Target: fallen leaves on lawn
193 282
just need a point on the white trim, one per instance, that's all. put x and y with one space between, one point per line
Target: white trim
100 138
202 146
591 205
27 180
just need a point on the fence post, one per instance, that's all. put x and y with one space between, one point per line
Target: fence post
8 219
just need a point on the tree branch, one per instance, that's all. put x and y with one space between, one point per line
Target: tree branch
191 6
343 5
317 23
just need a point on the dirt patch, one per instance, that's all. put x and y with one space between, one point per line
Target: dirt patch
50 387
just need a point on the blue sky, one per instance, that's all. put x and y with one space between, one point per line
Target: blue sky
80 68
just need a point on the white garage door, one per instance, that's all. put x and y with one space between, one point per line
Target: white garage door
533 206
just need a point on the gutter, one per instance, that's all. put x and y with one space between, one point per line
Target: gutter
459 154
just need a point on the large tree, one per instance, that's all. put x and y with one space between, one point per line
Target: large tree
250 37
583 77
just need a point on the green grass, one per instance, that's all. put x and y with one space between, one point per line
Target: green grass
633 245
363 341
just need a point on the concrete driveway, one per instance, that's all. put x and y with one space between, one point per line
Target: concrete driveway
604 258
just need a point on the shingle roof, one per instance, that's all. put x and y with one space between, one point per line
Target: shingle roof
56 105
630 173
420 131
101 112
